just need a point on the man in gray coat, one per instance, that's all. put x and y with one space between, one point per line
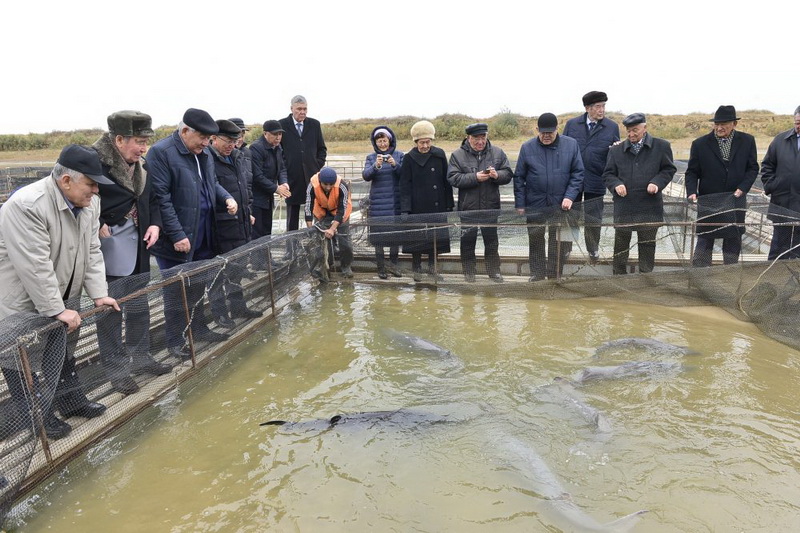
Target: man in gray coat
50 253
478 169
780 172
636 173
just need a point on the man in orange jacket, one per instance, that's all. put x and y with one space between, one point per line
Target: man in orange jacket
328 207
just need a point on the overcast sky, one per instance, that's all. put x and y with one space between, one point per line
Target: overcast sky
68 65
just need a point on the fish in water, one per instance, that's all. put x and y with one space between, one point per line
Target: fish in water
368 419
574 400
417 344
627 370
643 345
561 509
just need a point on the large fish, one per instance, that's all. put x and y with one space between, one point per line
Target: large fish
562 511
627 370
366 419
417 344
596 419
643 345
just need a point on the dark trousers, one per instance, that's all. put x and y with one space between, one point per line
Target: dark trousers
293 216
785 239
174 313
550 264
491 244
380 256
135 313
731 248
343 242
646 242
416 262
68 395
226 291
593 217
263 225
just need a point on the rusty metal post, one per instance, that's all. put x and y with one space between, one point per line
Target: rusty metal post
189 336
271 278
435 257
558 251
35 407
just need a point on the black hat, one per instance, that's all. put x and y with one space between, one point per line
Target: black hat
594 97
273 126
130 124
634 119
201 121
547 123
725 113
239 122
228 129
327 175
84 160
477 129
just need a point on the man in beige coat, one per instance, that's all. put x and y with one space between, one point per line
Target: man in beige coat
49 253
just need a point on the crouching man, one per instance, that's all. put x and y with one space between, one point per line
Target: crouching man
328 208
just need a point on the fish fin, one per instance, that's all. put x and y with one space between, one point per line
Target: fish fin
273 423
626 523
335 419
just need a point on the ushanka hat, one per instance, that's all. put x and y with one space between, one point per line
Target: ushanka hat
594 97
130 124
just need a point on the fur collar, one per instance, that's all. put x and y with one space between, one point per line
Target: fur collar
118 168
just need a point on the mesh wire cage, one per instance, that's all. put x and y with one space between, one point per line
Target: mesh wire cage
174 317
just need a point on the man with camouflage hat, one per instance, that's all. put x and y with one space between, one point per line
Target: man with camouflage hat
130 223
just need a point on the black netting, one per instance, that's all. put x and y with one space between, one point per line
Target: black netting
176 321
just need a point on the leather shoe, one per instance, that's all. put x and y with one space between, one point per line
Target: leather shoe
152 367
211 336
55 428
497 278
246 313
347 272
382 274
181 352
124 385
225 322
87 410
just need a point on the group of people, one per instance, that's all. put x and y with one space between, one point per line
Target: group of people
202 191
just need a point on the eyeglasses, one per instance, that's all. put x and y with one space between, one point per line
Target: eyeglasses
226 140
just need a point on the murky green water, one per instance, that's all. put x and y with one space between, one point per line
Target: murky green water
714 447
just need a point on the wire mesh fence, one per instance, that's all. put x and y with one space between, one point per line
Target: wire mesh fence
172 323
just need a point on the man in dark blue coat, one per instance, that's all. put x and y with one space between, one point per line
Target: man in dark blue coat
185 183
595 135
547 180
722 168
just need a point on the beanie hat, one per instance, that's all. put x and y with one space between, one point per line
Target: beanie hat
422 130
327 175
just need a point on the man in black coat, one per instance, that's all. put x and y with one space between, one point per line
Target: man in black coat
780 172
233 230
636 173
722 168
269 176
129 225
305 152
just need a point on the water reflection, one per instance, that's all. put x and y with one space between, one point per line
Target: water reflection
712 448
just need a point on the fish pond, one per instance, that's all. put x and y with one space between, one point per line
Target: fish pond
422 410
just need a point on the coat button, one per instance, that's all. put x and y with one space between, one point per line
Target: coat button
436 204
435 187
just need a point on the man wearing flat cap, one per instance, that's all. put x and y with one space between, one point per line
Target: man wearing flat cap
595 135
722 168
780 172
269 176
636 173
547 180
49 254
233 230
185 183
130 223
478 169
